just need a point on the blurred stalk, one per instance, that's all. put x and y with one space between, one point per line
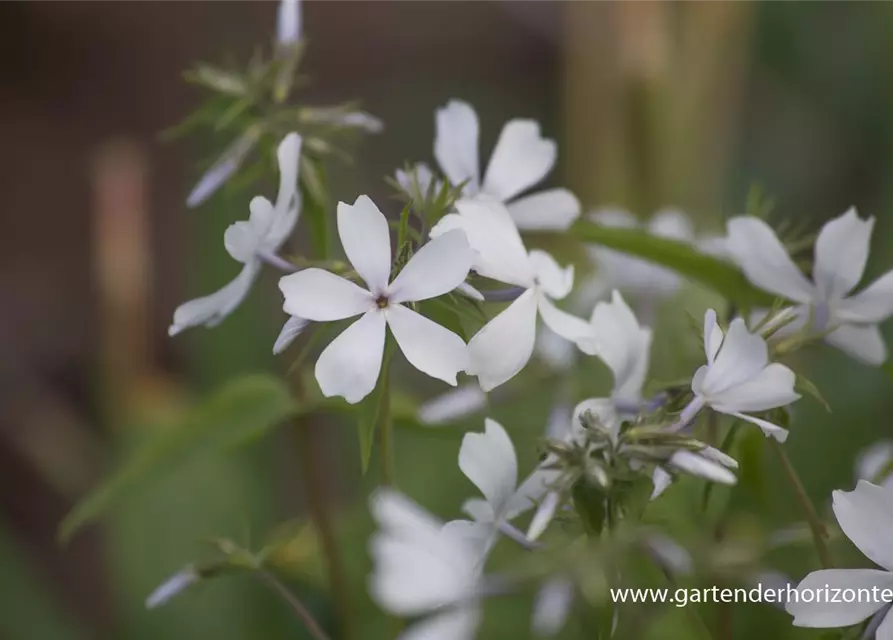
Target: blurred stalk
302 613
651 90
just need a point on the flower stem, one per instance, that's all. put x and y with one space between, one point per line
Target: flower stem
295 603
819 534
386 427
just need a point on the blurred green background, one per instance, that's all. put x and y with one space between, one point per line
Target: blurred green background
654 104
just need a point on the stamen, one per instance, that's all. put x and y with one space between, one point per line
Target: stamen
382 302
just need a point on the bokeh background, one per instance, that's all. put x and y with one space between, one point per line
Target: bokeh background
654 104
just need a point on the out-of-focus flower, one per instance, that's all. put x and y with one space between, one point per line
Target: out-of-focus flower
866 517
290 330
247 241
552 606
874 463
522 158
453 405
289 23
504 345
738 377
423 567
350 365
171 587
841 252
225 167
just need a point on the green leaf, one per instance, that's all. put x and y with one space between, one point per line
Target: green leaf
808 387
887 367
722 277
370 409
315 206
242 411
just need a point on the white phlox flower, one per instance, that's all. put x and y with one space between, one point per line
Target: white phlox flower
616 337
866 517
423 567
504 345
453 405
350 365
289 23
488 459
873 463
262 234
739 378
521 159
708 463
841 253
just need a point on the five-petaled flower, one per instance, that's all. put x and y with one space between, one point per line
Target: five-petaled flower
248 241
841 252
521 159
350 365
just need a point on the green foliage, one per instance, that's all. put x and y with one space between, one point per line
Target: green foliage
242 411
722 277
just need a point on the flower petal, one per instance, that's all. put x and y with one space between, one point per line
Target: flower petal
316 294
489 229
290 330
223 169
488 459
470 292
712 336
455 624
872 461
861 342
288 22
765 262
822 614
866 517
350 365
211 310
556 281
504 345
544 514
367 242
456 144
601 409
531 491
521 159
429 347
770 430
552 606
562 323
871 305
742 356
453 405
288 154
841 251
673 224
772 387
550 210
661 481
700 466
437 268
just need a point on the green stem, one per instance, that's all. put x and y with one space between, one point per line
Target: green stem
386 427
295 603
819 534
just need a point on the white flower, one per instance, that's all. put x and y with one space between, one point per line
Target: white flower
488 459
504 346
866 517
616 337
873 461
263 233
521 159
350 365
841 252
423 567
708 463
289 23
344 119
178 582
738 376
453 405
552 606
417 181
290 330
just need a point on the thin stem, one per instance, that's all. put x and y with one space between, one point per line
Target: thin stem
503 295
296 605
693 614
275 261
819 534
386 427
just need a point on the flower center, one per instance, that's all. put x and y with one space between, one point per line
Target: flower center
382 302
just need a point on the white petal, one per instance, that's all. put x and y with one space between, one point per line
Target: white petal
500 253
822 614
719 456
504 345
177 583
772 387
885 629
419 176
562 323
661 480
550 210
697 465
456 143
455 624
712 336
742 356
543 516
241 240
673 224
290 330
429 347
288 23
841 251
470 292
862 342
614 217
437 268
770 430
866 517
552 606
670 554
488 459
872 461
453 405
756 248
872 305
211 310
480 511
521 159
288 154
558 352
222 170
531 491
367 242
350 365
602 409
321 296
556 281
